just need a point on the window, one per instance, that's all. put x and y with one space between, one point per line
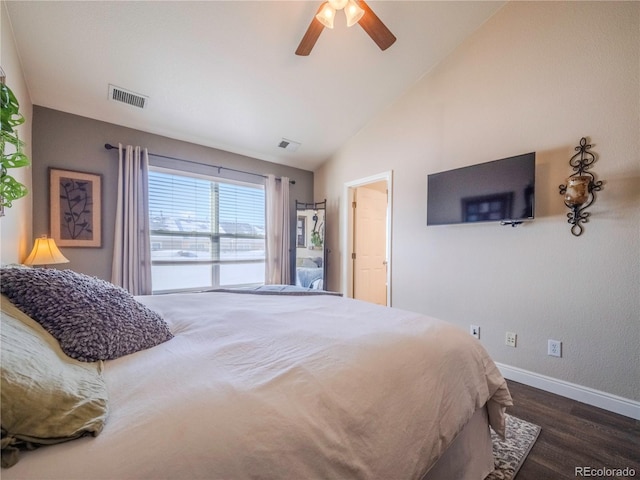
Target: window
205 232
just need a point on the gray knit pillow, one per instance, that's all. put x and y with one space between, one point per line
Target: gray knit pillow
91 319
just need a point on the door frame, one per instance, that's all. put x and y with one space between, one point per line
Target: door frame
347 230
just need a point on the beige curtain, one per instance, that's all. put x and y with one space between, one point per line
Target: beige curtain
278 224
131 266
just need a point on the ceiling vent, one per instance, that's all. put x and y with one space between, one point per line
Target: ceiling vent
117 94
289 145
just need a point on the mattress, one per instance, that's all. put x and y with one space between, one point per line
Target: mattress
271 386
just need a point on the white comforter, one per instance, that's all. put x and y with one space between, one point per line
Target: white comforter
282 387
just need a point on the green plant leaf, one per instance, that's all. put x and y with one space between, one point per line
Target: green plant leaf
10 190
15 160
10 117
12 138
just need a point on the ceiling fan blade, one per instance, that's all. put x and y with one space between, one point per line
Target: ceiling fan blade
377 30
311 36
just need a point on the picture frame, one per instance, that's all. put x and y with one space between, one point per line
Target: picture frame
301 232
75 203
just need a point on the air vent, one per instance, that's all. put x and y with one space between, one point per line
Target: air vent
118 94
289 145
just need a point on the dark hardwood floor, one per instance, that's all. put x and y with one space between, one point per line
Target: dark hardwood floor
574 435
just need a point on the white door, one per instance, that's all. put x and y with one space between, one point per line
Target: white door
370 243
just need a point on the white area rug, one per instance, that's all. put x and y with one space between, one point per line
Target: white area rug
510 454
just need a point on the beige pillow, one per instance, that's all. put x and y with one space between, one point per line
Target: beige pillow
47 397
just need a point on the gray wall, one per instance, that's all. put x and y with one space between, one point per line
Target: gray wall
67 141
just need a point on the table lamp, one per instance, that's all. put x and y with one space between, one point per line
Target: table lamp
45 252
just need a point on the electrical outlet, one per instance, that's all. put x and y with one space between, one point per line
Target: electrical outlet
510 339
554 348
474 330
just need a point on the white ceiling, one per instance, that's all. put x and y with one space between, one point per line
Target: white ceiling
224 73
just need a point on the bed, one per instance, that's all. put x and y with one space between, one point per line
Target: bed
278 386
310 273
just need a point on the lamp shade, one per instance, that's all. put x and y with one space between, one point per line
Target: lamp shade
45 252
353 13
326 15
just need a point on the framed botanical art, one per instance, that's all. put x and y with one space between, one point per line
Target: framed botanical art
75 207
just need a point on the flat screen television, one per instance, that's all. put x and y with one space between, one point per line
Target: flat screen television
498 191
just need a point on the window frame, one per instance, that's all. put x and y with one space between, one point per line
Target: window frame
213 236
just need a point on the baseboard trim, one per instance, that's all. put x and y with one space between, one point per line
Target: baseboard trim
590 396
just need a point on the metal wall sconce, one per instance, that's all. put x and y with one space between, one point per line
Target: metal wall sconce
579 192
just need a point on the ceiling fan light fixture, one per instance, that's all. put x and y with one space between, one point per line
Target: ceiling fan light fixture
326 15
353 13
356 11
338 4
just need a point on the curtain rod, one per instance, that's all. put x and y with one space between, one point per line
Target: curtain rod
108 146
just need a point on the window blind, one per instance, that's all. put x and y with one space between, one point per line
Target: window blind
205 232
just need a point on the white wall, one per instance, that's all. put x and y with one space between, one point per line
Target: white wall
15 226
537 76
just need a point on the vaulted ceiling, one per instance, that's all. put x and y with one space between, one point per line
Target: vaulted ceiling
224 73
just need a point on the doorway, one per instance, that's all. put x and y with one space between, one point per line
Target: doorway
366 265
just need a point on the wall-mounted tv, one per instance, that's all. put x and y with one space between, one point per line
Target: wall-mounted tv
498 191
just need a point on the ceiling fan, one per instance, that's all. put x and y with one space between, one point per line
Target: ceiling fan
356 11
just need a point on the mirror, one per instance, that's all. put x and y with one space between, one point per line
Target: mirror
310 251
